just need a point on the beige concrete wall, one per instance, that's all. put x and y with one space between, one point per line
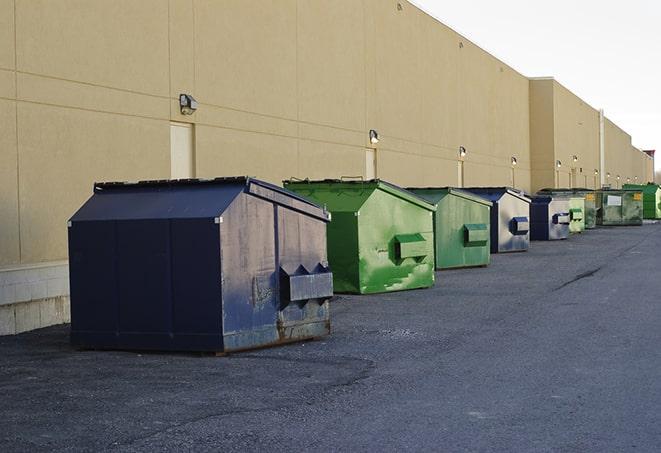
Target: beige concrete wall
617 154
285 88
542 133
577 136
84 96
563 127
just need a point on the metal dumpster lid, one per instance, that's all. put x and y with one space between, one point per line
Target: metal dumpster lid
457 191
171 199
388 187
494 190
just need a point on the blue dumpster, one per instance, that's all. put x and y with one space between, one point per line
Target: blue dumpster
197 265
549 218
510 218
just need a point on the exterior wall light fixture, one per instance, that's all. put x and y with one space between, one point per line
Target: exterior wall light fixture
513 160
462 151
575 158
374 137
558 163
187 104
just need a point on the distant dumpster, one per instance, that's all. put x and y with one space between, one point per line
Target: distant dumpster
583 212
619 207
380 237
197 265
510 218
651 199
549 218
461 227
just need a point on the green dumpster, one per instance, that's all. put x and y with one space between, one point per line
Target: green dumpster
651 199
619 207
586 209
461 227
380 237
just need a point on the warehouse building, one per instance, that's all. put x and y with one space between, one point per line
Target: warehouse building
90 91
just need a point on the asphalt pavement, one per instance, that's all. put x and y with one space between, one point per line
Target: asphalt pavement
554 349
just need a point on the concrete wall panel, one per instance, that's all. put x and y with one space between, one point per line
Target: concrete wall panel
9 225
113 43
331 64
245 55
7 47
228 152
63 151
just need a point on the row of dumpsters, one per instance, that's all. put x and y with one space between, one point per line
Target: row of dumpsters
230 264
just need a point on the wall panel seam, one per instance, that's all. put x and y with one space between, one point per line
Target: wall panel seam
106 112
97 85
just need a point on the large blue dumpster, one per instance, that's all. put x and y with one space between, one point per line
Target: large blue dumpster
549 218
197 265
510 218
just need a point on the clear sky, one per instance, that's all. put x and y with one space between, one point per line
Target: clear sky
608 52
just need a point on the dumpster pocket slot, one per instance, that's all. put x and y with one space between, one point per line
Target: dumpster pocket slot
561 218
302 285
475 235
576 214
410 246
519 226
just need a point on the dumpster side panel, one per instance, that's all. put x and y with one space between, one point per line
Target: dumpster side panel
302 242
510 237
612 208
249 273
632 208
382 218
93 284
590 210
343 251
144 276
197 307
577 214
450 220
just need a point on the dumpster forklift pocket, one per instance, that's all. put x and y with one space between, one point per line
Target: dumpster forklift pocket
411 246
562 218
576 214
475 235
520 226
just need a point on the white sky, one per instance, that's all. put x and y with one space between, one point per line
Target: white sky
608 52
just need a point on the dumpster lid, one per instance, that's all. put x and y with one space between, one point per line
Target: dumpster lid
452 191
390 188
184 198
498 191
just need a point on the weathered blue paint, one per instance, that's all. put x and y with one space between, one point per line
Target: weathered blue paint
510 218
549 217
197 265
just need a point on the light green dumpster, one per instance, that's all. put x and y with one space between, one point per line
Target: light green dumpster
461 227
651 199
619 207
583 213
380 237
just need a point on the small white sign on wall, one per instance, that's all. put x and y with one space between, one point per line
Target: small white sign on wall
614 200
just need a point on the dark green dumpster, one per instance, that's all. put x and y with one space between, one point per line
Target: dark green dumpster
583 213
619 207
461 227
651 199
380 237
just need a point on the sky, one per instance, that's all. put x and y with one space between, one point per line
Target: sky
608 52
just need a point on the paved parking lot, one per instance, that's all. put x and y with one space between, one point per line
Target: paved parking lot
556 349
